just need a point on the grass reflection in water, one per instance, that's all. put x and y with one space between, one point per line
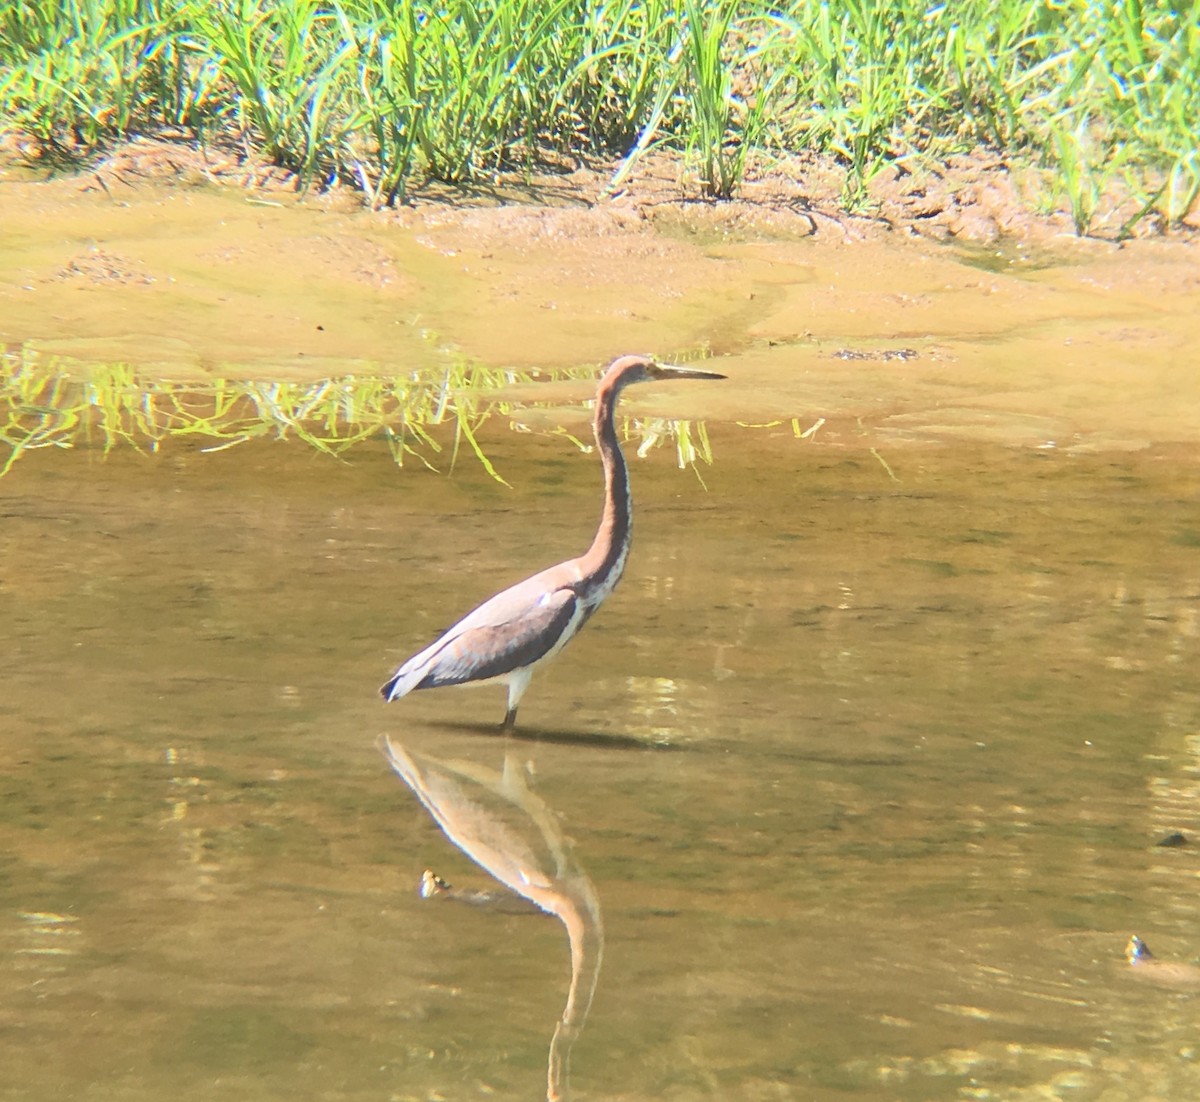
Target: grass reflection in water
423 415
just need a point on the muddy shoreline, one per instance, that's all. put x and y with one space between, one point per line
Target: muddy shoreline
951 311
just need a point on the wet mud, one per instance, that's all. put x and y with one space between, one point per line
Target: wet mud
1038 338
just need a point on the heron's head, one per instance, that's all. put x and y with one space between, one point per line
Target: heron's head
639 369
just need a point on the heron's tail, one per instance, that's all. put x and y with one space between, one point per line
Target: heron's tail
419 672
401 683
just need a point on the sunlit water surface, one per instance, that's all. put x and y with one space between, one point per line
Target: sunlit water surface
867 774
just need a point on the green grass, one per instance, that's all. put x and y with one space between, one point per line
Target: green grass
426 416
389 93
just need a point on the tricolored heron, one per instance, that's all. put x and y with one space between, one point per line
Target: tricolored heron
508 636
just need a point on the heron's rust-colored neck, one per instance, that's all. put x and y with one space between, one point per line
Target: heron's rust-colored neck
603 562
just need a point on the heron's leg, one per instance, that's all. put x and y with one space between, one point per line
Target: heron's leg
518 682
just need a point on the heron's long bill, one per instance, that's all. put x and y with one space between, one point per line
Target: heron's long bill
673 371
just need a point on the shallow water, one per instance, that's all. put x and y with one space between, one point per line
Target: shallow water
865 761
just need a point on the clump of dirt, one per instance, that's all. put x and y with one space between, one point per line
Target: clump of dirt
97 266
180 160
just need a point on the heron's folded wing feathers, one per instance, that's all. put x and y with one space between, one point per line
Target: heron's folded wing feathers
486 650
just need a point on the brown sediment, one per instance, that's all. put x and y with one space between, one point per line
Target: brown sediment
950 311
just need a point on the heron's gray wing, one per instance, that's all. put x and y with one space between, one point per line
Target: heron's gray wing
484 650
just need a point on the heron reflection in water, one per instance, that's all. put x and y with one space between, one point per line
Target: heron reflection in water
498 822
508 636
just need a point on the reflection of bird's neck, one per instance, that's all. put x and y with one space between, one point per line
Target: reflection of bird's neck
604 561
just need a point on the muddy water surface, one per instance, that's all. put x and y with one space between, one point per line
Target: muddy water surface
865 762
867 776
